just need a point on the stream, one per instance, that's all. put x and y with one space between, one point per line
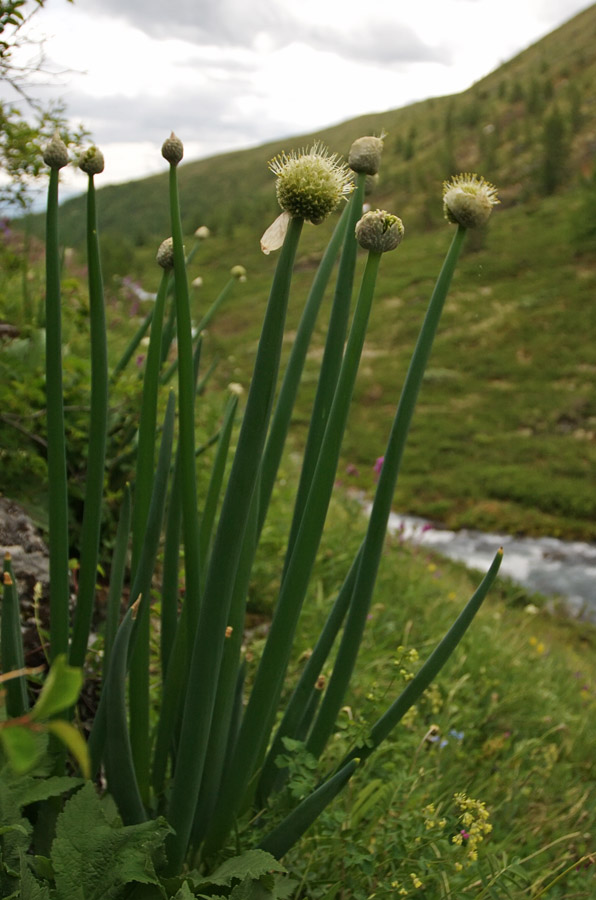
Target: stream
549 566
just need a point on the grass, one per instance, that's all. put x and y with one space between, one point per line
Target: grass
522 690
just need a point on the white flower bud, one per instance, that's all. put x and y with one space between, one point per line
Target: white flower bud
365 155
165 254
172 150
55 154
468 200
379 231
91 162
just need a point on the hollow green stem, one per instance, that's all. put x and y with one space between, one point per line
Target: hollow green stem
98 425
57 484
289 832
117 573
186 400
383 726
377 527
262 705
221 575
289 388
331 362
11 645
132 345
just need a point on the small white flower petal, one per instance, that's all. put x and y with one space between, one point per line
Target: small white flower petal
275 234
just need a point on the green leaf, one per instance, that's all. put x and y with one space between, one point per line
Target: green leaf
31 888
251 864
23 747
94 858
60 691
74 741
184 893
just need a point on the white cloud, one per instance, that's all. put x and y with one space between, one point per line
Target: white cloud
229 74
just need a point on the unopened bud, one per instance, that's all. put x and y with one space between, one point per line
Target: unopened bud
468 200
238 272
165 254
379 231
91 162
172 150
56 155
365 155
202 233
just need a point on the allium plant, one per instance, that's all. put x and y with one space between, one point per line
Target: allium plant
206 758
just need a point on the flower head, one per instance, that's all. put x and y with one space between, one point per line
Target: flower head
172 149
202 233
379 231
310 183
365 154
238 272
165 254
91 162
55 154
468 200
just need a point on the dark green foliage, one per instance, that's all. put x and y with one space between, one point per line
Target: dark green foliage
555 152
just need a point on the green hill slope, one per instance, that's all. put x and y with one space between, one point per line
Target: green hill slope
505 435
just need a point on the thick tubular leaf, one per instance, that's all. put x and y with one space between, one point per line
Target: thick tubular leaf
132 345
216 479
139 681
377 526
262 705
98 425
300 700
288 832
142 582
216 305
430 669
120 770
147 426
226 698
170 588
117 573
57 486
186 400
289 388
11 645
331 362
221 575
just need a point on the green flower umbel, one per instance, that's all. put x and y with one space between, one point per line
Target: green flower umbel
468 200
310 184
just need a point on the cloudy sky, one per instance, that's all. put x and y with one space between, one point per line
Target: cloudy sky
228 74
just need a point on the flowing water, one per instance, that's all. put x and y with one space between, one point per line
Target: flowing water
549 566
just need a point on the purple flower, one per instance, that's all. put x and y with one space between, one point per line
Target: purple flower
379 465
351 469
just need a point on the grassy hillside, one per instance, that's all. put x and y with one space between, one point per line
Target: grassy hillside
504 437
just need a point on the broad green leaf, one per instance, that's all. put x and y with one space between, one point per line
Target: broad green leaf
74 740
60 691
93 858
31 888
22 746
184 893
252 864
